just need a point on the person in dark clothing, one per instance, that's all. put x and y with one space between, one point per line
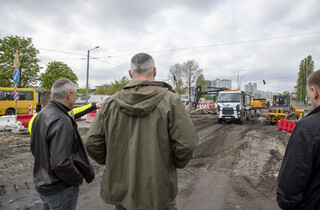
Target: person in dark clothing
60 160
299 176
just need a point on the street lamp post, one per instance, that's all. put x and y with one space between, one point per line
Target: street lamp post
88 73
238 77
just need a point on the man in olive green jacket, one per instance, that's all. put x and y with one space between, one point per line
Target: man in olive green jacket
142 134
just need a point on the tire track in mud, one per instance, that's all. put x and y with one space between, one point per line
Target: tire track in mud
219 167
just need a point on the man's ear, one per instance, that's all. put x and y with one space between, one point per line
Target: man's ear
315 93
69 95
130 74
154 71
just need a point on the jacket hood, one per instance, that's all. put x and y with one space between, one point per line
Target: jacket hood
139 98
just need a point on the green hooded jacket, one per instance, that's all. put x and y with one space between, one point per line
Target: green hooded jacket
141 134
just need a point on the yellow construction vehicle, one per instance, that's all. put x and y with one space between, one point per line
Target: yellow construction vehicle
259 103
282 109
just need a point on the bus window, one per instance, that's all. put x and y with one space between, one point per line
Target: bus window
2 95
21 95
9 95
29 95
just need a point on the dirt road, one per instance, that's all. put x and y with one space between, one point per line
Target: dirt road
234 167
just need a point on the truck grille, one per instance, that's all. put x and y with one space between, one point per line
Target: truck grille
227 111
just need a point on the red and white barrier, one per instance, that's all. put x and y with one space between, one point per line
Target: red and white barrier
205 106
90 116
30 109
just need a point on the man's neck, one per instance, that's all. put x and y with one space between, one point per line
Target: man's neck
64 102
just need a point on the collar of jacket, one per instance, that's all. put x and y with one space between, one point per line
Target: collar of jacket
62 107
140 83
314 111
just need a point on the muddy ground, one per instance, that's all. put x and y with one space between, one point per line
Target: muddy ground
234 167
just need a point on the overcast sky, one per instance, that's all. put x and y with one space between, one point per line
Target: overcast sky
265 39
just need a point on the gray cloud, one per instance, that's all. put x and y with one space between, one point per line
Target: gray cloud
128 27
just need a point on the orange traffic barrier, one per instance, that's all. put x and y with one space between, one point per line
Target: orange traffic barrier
286 125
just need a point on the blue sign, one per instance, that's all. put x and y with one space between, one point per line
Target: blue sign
16 75
193 91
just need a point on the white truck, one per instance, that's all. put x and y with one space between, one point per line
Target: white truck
233 105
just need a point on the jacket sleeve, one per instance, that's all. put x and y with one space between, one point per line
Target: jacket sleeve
61 144
296 168
183 135
31 123
96 142
83 110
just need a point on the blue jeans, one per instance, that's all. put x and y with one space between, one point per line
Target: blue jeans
65 199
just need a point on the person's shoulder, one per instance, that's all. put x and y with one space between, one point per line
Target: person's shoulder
310 124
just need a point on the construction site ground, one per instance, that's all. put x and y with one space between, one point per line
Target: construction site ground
234 167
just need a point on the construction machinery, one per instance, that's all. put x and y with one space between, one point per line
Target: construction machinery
282 109
233 105
259 103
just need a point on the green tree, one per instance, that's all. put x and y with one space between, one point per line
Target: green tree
101 90
56 70
83 90
29 67
179 89
305 69
201 81
117 85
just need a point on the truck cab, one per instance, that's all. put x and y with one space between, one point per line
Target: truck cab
233 105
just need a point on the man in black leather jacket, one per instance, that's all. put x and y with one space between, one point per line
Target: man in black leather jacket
61 162
299 176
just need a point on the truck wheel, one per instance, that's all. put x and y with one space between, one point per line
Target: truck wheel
10 111
220 121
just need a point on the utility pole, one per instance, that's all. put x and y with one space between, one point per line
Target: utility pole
238 77
87 84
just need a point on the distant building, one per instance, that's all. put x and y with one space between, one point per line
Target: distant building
262 94
221 83
251 88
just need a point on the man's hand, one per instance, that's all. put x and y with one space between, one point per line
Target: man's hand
98 105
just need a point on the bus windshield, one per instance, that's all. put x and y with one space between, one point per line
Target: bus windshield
229 97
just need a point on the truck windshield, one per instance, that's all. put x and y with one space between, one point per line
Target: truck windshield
229 97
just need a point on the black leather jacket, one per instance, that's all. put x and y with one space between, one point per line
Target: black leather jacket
60 157
299 176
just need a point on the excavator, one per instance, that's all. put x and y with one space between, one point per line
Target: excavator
282 109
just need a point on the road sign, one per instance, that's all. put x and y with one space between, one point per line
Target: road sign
16 63
193 91
16 75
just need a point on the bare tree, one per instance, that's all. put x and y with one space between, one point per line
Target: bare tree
189 72
175 73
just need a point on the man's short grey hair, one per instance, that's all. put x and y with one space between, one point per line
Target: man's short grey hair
314 79
60 88
142 63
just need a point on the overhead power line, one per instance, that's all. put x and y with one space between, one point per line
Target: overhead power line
62 52
109 63
219 44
